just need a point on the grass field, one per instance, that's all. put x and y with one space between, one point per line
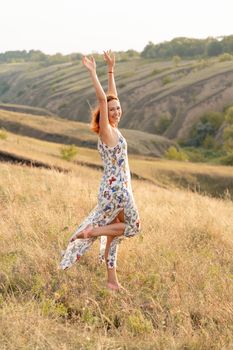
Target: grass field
177 273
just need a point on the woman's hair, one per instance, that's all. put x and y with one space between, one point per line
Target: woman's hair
95 115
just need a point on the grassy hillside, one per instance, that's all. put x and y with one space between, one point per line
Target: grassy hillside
52 128
212 180
177 273
25 109
150 91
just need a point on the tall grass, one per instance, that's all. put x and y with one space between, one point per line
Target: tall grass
177 273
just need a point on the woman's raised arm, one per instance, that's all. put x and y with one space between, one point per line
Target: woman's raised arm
100 94
110 59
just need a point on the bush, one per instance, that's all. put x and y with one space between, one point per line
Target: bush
227 160
229 115
138 324
176 60
225 57
163 124
173 154
228 138
155 71
202 133
69 152
202 63
195 154
166 80
3 134
209 142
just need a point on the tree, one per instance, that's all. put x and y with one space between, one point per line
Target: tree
214 48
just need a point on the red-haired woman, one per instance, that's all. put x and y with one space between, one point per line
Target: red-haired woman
116 215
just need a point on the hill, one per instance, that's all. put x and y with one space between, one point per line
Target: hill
212 180
55 129
157 97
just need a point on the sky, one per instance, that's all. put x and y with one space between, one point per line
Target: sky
89 26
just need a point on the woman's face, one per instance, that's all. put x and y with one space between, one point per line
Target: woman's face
114 112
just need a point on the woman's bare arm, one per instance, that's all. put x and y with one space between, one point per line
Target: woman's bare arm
110 59
100 94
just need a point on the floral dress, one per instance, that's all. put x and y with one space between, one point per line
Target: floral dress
115 195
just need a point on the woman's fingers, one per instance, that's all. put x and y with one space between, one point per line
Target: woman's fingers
109 57
89 63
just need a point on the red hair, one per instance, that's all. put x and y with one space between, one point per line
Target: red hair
95 115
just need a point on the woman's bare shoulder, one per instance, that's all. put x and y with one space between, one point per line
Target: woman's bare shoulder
109 137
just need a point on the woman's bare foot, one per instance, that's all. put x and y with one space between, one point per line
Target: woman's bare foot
85 233
113 286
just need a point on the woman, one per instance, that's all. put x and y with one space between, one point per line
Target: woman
115 215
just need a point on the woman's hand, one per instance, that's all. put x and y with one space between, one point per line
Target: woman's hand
89 63
109 57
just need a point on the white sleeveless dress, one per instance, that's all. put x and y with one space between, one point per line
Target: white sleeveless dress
115 195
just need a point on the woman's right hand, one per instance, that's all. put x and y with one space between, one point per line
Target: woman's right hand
89 63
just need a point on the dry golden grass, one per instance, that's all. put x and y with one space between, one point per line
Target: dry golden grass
215 180
178 273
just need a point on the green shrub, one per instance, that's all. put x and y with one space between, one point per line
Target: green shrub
138 324
69 152
155 71
203 63
53 309
225 57
3 134
163 124
173 154
227 160
209 142
166 80
229 115
89 317
176 60
195 154
228 138
214 118
208 125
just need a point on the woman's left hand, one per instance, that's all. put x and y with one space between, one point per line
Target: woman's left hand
109 57
89 63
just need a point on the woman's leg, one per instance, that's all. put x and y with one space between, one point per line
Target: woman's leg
77 247
111 256
112 281
115 229
129 225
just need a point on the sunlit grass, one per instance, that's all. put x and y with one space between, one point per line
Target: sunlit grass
214 180
177 272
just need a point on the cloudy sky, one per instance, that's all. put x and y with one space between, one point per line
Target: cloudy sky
88 26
